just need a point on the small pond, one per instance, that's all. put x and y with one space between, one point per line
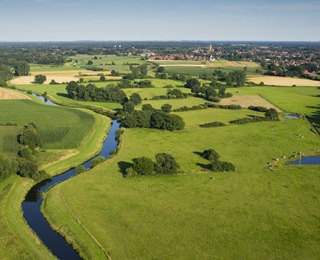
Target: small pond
292 117
43 99
309 160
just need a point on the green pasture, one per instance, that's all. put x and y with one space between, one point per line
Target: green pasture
175 103
253 213
59 93
17 240
304 100
198 117
40 68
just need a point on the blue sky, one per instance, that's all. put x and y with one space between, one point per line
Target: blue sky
211 20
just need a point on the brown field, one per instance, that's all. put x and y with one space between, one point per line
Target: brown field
11 94
61 76
281 81
249 100
29 79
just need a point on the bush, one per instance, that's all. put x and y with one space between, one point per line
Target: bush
80 169
165 164
143 166
219 166
96 161
213 124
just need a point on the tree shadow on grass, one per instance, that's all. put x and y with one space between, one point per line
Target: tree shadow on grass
123 166
63 95
198 153
205 166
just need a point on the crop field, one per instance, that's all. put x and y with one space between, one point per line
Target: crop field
175 103
55 125
8 141
284 81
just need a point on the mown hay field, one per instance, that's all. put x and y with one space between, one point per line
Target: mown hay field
284 81
11 94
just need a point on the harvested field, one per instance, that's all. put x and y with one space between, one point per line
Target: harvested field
30 79
227 63
11 94
281 81
248 100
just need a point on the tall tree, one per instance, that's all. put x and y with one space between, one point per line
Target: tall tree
22 68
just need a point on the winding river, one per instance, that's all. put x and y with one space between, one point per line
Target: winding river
32 203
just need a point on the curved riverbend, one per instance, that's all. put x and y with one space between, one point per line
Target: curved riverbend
33 200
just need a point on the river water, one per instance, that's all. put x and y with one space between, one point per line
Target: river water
32 203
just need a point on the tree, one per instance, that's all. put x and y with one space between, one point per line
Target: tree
238 77
272 114
90 62
30 138
5 74
165 164
166 108
27 168
192 83
143 71
160 69
39 79
22 68
94 162
136 98
147 107
143 166
7 166
102 78
210 155
80 169
128 106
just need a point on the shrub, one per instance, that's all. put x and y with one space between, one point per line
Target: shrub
219 166
96 161
143 166
80 169
213 124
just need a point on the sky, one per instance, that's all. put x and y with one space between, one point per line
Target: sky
159 20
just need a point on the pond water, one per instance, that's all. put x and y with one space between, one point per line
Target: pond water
292 117
309 160
33 200
45 100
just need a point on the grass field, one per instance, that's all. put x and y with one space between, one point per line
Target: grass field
252 213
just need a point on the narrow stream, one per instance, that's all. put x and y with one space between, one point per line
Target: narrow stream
32 203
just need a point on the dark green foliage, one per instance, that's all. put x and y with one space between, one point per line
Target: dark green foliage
192 83
147 107
5 74
144 84
22 68
94 162
166 108
27 153
213 124
27 168
128 106
143 166
237 77
80 169
210 155
139 119
29 137
136 98
219 166
175 93
247 120
232 106
216 165
162 120
272 114
8 167
102 78
39 79
53 82
40 175
165 164
90 62
92 93
258 108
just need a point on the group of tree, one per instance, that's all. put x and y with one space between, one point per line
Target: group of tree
144 166
151 118
92 93
137 72
24 164
172 94
5 74
270 114
212 92
217 165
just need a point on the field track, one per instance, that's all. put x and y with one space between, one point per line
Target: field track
10 94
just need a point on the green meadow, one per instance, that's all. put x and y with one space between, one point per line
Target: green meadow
252 213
